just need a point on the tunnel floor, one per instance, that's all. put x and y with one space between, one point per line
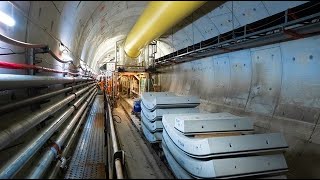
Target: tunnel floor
141 161
88 160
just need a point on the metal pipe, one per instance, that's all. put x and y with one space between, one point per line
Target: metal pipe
29 45
56 169
12 81
18 104
155 20
119 169
118 165
58 59
38 171
112 131
9 65
22 157
20 43
18 129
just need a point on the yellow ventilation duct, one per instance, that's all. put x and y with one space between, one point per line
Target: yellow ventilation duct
155 20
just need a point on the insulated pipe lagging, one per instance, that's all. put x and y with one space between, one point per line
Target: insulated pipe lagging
21 158
56 169
16 130
51 153
29 101
12 81
156 19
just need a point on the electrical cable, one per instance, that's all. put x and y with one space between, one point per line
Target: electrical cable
12 52
118 117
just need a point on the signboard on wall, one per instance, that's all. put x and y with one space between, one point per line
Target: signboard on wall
111 66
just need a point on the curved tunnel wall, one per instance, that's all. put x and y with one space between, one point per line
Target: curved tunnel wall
278 85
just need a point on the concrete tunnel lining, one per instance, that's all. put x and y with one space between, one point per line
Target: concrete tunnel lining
277 85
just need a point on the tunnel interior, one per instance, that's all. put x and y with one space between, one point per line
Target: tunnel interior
69 89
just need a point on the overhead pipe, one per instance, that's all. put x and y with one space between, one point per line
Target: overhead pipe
13 81
12 167
44 47
155 20
29 45
38 171
58 59
20 43
16 130
67 148
9 65
25 102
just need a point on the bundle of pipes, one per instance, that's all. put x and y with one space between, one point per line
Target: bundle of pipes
12 81
25 102
38 171
7 136
16 130
9 65
57 168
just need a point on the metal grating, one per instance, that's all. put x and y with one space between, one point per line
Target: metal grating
88 160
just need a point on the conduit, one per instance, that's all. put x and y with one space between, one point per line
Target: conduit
22 157
12 81
29 101
16 130
9 65
51 153
155 20
57 168
19 43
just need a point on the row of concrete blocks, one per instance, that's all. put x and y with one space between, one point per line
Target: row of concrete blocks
213 145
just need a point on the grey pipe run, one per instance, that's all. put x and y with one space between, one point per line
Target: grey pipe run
21 158
18 129
20 43
54 172
51 153
118 166
18 104
12 81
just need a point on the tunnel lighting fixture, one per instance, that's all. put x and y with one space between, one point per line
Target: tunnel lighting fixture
6 19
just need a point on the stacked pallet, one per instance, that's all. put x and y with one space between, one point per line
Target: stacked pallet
155 104
221 145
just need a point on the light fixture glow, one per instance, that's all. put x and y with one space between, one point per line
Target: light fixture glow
7 20
66 56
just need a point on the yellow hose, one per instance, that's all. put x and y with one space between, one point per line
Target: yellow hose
155 20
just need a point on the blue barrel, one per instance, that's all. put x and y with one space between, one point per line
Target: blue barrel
137 106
